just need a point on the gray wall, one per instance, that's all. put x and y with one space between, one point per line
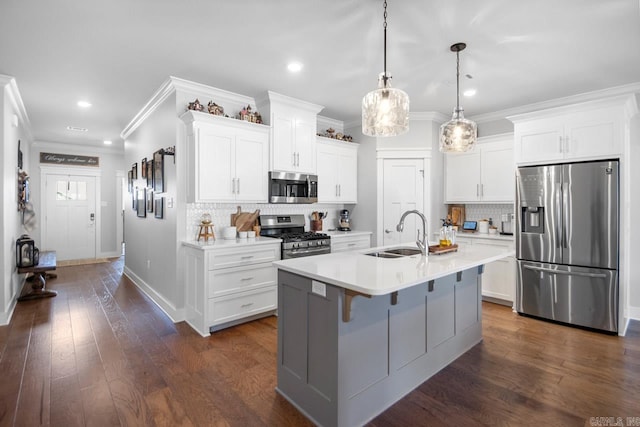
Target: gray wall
10 219
633 296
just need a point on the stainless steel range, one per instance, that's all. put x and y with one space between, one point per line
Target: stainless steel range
296 242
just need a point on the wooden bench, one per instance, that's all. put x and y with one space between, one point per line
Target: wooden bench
39 275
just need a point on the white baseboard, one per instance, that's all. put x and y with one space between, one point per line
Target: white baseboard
633 313
5 316
175 314
113 254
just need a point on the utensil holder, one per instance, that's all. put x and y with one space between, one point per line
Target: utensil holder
316 225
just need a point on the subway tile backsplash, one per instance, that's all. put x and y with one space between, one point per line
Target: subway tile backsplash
486 211
221 214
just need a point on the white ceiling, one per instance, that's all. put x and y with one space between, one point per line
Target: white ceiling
117 53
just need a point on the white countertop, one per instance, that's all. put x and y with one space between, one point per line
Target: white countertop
379 276
232 243
477 235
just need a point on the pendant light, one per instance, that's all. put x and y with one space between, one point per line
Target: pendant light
385 111
458 134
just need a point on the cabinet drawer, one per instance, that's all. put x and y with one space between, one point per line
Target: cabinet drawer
242 256
351 244
230 280
236 306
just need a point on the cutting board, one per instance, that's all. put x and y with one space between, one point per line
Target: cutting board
244 221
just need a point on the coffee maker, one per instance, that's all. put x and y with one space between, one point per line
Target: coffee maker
506 224
344 223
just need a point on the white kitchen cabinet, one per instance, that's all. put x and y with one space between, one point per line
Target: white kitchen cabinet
227 158
227 284
586 131
350 241
499 277
337 171
485 175
294 125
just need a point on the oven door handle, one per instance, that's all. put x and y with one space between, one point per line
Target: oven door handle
303 252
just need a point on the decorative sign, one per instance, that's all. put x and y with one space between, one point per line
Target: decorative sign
69 159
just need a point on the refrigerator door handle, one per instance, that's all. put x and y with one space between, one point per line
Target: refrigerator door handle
567 273
558 224
565 212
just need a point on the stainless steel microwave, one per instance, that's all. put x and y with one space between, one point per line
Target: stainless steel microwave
288 187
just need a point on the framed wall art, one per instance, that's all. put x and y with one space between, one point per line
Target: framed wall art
134 199
134 170
159 208
158 172
143 167
149 201
149 173
141 208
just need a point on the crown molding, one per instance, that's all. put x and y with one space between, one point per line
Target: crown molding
330 123
16 102
558 102
166 89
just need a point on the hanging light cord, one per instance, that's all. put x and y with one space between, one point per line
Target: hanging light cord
457 81
384 76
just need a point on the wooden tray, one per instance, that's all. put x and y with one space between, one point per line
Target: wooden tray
439 250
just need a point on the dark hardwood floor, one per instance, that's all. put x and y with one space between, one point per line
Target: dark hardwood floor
100 354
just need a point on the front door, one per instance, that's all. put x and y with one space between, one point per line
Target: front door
70 216
403 189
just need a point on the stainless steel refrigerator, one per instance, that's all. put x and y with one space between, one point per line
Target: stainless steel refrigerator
567 226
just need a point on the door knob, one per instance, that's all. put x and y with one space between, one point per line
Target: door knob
388 231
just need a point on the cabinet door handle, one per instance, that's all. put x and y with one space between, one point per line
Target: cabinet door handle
247 257
293 158
477 190
336 190
567 144
339 190
560 144
244 279
233 186
246 305
238 184
351 244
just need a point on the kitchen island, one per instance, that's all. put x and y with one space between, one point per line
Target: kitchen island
358 332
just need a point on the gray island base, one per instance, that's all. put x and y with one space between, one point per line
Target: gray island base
345 357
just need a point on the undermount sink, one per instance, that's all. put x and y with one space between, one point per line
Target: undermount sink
383 255
395 253
404 251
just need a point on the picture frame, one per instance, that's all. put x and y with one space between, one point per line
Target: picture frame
143 167
141 208
158 210
158 171
134 199
149 173
130 180
134 170
149 201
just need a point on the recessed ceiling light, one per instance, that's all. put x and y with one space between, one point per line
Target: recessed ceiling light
107 142
294 67
77 129
469 92
84 104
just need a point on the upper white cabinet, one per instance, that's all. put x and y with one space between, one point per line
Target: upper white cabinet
227 159
337 171
585 131
485 175
293 127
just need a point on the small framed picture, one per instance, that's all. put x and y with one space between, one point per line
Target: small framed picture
143 167
134 170
149 201
158 172
134 199
149 173
130 180
158 208
141 208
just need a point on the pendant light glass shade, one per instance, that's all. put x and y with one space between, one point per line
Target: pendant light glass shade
385 111
458 134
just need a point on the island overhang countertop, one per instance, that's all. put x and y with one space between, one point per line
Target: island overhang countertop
372 275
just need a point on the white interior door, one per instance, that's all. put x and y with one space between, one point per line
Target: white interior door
70 215
403 189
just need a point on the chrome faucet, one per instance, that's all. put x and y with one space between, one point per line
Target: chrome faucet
422 244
